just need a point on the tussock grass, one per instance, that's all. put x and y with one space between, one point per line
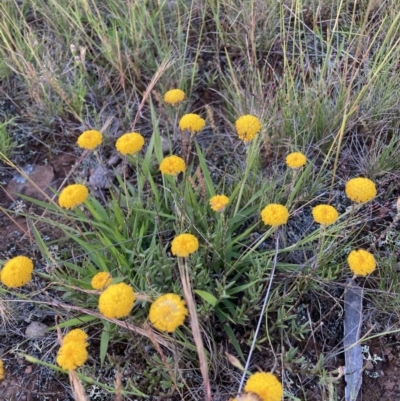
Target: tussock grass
322 77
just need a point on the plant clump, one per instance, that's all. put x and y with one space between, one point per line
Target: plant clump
168 312
17 272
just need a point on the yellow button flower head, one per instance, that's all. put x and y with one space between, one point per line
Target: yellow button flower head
218 203
1 370
17 272
295 160
168 312
325 214
174 96
265 385
361 262
360 190
101 280
117 301
247 127
129 144
184 244
73 195
274 215
172 165
75 336
90 139
72 355
192 123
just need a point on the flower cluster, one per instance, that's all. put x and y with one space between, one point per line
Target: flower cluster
265 385
2 375
192 123
360 190
129 144
325 214
168 312
117 301
73 352
361 262
296 160
184 244
274 215
17 272
90 139
219 202
247 127
101 280
73 195
174 97
172 165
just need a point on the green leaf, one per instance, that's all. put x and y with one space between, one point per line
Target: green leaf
105 339
234 341
207 297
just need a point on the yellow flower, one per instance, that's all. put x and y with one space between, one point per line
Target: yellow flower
75 336
174 96
101 280
184 244
296 160
17 272
172 165
360 190
72 355
90 139
117 301
361 262
168 312
218 202
192 123
274 215
325 214
73 195
265 385
129 144
2 375
247 127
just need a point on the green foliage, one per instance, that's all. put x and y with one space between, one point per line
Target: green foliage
323 79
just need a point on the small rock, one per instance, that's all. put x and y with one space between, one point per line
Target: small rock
40 178
36 330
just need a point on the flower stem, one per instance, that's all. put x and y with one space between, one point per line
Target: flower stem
253 344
